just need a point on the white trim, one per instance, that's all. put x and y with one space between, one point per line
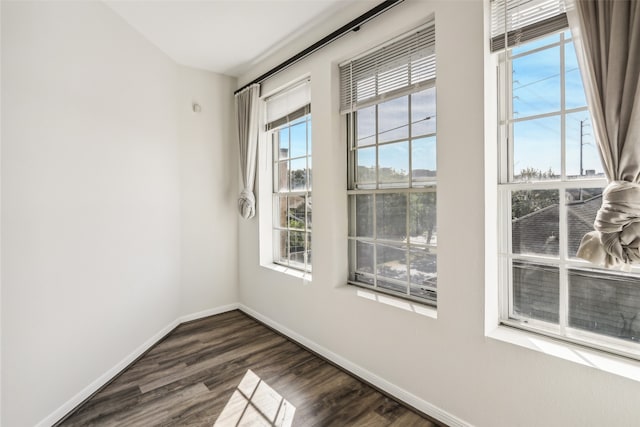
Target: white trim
381 383
101 381
207 313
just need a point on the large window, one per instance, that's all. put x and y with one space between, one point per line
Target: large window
389 96
551 183
292 177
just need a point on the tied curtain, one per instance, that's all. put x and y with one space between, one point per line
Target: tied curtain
247 117
607 40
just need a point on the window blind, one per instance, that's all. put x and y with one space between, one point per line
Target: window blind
288 105
391 70
525 20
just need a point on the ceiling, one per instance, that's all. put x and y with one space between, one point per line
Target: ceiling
224 36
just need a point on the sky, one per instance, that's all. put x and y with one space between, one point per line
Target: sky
395 119
536 90
537 142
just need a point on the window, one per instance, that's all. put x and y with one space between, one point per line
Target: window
290 135
550 189
389 97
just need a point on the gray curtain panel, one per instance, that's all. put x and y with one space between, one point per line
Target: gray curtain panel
247 116
607 39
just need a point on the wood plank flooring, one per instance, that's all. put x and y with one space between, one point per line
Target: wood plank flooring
230 370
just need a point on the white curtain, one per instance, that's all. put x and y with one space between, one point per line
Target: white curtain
247 116
607 39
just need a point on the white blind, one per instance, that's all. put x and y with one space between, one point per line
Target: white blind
288 104
391 70
525 20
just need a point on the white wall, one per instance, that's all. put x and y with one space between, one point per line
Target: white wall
107 177
448 361
209 191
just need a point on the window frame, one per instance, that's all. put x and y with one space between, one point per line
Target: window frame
506 185
278 193
426 186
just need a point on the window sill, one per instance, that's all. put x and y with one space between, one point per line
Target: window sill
403 304
600 360
298 274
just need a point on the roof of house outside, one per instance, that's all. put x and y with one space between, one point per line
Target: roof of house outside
599 301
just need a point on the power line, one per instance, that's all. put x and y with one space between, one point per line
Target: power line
398 127
543 79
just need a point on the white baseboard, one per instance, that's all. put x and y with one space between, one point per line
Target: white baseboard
76 400
381 383
209 312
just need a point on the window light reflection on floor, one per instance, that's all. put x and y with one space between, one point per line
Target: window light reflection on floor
254 403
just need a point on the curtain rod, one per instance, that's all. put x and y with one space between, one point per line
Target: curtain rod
351 26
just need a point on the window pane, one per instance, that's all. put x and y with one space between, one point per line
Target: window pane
393 163
281 203
392 286
577 125
574 91
391 262
309 212
363 224
423 158
366 164
391 216
283 176
308 252
393 119
309 139
423 112
536 291
299 140
283 138
534 222
366 128
422 218
296 212
536 83
423 270
536 149
296 246
298 174
582 207
604 303
361 278
364 256
281 240
309 173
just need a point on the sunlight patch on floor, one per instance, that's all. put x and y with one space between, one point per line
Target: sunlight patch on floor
254 403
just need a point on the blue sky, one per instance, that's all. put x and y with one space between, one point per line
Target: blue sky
536 90
393 125
537 143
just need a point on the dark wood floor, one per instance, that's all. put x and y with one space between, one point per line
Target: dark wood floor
230 370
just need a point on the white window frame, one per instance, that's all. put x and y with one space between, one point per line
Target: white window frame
506 186
401 67
424 186
278 193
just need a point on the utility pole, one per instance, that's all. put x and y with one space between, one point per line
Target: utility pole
583 124
581 144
